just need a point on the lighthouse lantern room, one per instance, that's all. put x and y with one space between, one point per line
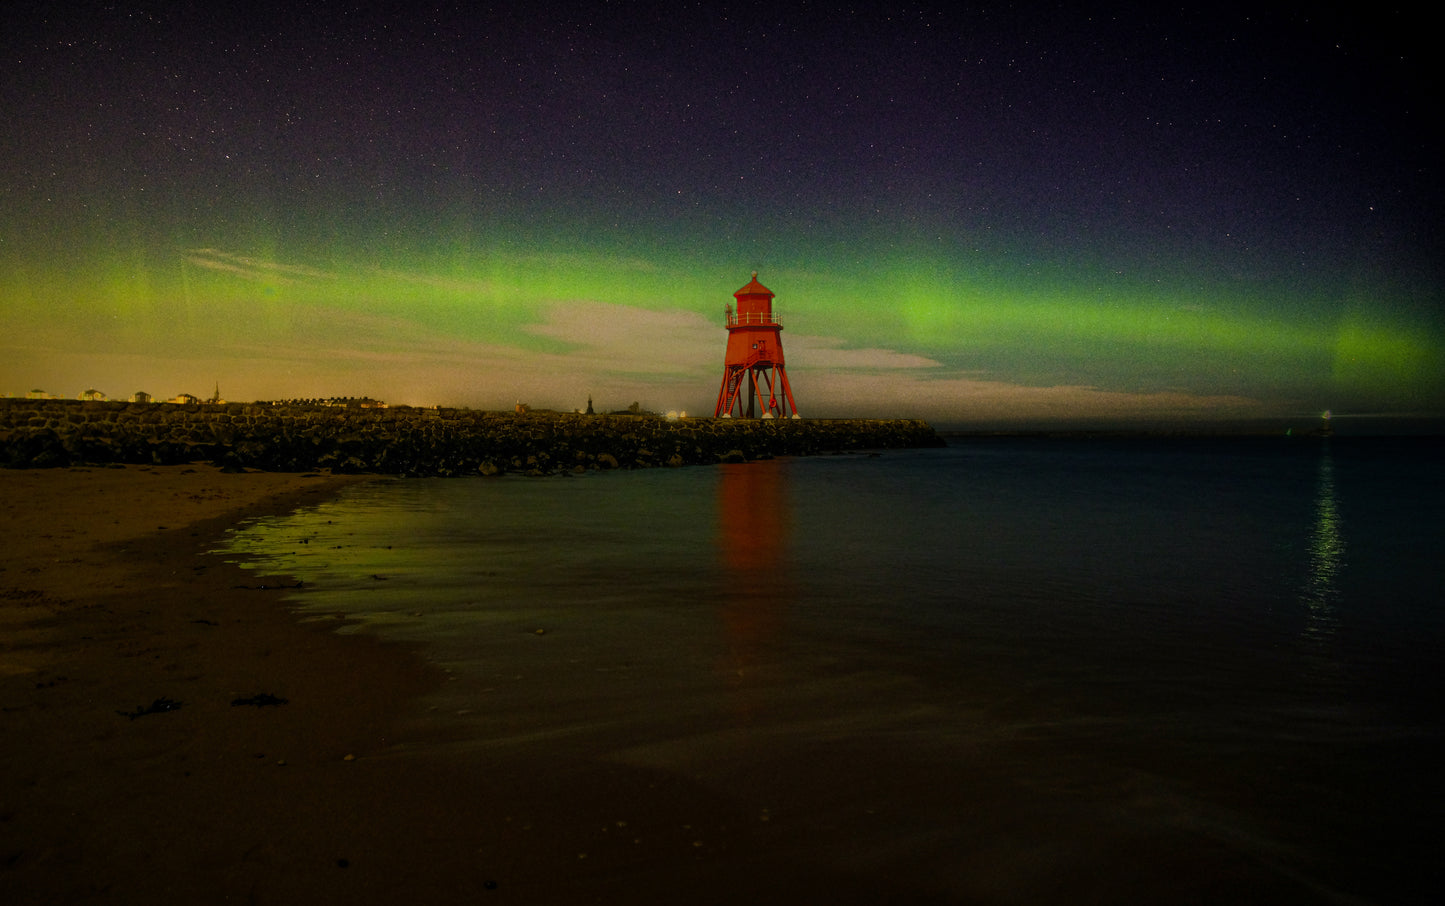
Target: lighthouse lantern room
755 382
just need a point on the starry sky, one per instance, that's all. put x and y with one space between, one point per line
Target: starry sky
976 214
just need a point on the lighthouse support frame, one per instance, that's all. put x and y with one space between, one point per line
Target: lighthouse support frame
755 380
767 392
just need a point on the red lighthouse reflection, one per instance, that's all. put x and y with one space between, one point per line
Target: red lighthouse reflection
753 542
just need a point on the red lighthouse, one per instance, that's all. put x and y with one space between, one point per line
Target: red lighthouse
755 383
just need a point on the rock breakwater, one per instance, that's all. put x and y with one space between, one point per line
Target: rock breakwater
413 442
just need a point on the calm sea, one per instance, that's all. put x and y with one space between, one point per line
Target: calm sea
1012 669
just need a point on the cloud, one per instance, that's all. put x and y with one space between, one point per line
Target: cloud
604 336
960 397
620 353
827 353
673 359
258 269
681 340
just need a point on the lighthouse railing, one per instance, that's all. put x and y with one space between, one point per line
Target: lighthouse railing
753 319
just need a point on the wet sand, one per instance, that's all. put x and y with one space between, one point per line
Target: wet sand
128 774
109 603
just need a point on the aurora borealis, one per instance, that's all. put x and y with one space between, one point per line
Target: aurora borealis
1031 212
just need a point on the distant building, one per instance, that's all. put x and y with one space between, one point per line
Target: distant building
185 399
93 396
140 396
37 395
346 402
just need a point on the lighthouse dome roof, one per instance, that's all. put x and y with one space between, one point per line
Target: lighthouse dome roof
754 288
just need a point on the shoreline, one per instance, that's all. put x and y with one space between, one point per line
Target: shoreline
146 756
113 604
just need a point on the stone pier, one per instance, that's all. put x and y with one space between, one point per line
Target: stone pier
413 441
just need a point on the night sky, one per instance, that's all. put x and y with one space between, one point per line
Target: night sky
974 214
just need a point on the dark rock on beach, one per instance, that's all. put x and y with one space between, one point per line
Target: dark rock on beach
260 700
413 442
159 706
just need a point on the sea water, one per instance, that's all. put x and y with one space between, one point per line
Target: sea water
1055 651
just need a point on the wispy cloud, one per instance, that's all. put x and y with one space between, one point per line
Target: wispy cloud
831 353
963 397
251 268
630 339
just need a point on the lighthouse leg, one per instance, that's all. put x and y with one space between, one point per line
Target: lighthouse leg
722 393
727 397
771 406
787 390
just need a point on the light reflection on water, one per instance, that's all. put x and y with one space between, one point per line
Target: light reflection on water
1093 618
755 570
1326 553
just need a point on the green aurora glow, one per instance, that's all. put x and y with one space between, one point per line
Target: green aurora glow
1036 332
969 214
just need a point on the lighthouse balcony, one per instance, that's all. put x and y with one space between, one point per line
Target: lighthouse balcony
753 319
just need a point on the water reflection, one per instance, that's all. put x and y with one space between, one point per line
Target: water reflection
753 556
1326 554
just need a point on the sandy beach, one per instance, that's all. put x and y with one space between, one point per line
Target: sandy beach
129 773
110 605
